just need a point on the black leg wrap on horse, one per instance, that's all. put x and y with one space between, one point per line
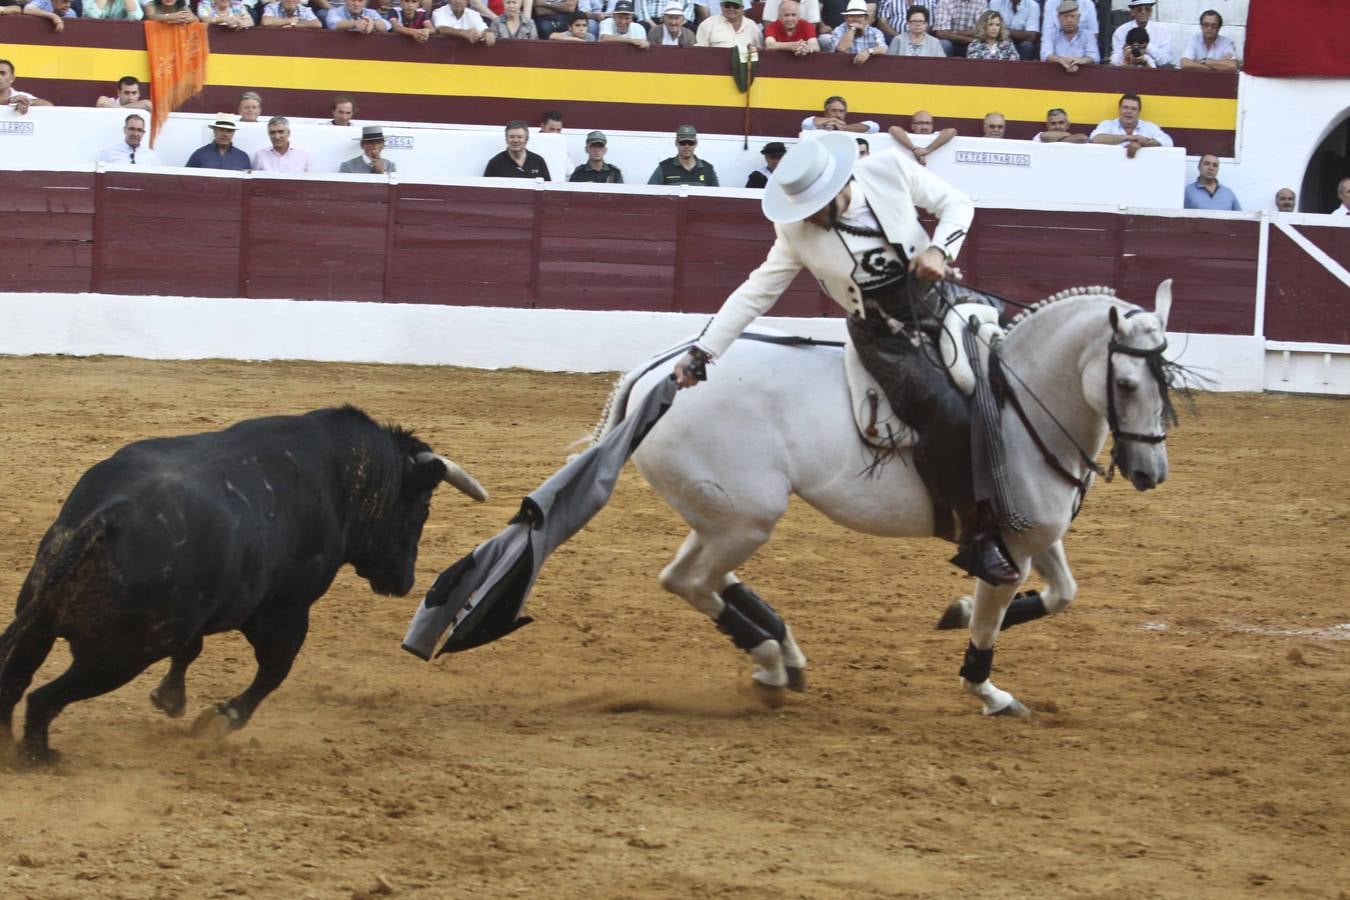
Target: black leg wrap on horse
755 608
977 664
743 633
1025 607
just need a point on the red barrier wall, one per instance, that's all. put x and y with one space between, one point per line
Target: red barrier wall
193 235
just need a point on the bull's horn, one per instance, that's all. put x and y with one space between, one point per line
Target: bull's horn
456 477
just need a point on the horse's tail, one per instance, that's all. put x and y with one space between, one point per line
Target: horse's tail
615 409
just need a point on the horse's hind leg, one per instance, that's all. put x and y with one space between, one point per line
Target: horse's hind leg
700 569
758 610
171 695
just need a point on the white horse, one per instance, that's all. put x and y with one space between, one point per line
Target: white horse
775 420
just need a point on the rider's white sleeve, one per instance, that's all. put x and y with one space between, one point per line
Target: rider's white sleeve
953 208
753 298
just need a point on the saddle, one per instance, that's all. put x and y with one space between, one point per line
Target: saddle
878 424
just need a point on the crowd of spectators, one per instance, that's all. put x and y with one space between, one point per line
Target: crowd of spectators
1062 31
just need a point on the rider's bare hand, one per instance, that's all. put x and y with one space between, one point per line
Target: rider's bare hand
684 372
930 265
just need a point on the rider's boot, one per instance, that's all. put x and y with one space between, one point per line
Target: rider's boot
981 552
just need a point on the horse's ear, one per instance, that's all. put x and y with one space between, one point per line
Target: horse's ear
1162 302
1115 320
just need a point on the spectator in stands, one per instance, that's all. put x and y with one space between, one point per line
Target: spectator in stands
835 119
177 12
53 11
1023 18
221 152
808 10
671 31
512 25
1286 200
409 19
128 96
20 100
1159 44
595 170
620 27
371 161
995 125
550 122
456 20
991 39
773 153
856 37
916 41
1210 50
864 148
1050 22
1206 192
1069 45
343 110
126 10
516 161
578 29
685 167
650 12
231 14
282 156
831 17
289 14
555 16
954 23
921 123
730 29
11 7
352 15
1135 51
130 150
890 17
1343 194
1057 129
250 106
1128 129
790 32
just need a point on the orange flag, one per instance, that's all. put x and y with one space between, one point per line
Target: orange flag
177 67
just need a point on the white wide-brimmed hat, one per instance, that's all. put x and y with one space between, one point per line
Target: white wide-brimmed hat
810 175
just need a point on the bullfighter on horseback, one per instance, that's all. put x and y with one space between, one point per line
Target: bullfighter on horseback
853 223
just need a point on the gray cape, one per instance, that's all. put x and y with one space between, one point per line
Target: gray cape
480 597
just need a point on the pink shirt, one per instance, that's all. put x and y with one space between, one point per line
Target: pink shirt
269 160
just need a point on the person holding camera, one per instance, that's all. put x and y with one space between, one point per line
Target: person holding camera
855 36
1159 45
1135 50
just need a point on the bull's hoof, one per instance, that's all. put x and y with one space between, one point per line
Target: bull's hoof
1014 710
34 756
215 723
796 679
771 696
956 615
171 704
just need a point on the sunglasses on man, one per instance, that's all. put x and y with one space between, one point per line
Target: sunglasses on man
687 143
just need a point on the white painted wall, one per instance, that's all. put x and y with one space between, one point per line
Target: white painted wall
479 337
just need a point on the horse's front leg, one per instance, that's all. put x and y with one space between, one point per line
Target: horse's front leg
1029 605
985 620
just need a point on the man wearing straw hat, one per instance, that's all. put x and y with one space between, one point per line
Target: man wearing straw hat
221 153
371 161
854 224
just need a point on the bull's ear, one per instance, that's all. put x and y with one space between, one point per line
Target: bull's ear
424 474
453 475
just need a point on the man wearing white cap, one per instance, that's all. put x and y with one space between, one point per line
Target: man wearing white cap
221 153
854 224
855 36
670 31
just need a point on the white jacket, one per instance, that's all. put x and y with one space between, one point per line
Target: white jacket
894 185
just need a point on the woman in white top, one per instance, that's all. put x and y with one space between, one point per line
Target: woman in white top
916 41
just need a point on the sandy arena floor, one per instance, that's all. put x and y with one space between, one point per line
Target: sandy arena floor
1192 737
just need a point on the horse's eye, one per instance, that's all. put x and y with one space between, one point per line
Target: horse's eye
1126 385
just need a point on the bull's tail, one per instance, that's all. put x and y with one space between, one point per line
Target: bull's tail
58 558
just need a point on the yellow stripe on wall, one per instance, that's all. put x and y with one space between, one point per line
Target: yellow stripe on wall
670 89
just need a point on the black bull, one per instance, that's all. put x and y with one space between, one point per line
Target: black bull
173 539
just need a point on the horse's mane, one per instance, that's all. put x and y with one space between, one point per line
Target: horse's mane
1085 290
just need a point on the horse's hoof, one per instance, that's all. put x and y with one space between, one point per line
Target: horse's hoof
770 696
172 707
213 724
956 615
1014 710
796 679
